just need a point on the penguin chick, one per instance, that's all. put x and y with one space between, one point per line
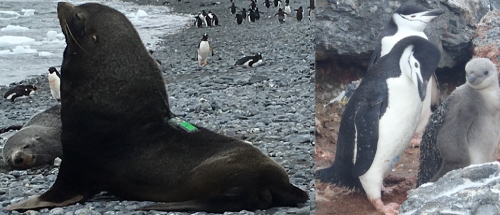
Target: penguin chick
55 83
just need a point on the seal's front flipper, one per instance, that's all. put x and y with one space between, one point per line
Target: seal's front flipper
39 202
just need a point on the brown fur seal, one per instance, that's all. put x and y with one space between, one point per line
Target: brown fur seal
37 143
118 133
465 129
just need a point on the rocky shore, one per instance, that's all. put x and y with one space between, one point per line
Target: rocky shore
270 106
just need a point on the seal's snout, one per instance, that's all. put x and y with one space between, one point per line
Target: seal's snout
21 160
63 10
18 160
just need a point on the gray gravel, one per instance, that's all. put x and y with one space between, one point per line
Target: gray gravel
271 106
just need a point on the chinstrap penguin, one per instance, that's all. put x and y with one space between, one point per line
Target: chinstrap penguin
410 20
465 129
204 50
19 91
250 61
380 119
55 83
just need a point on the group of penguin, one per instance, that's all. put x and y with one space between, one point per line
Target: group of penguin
253 12
209 19
397 94
23 91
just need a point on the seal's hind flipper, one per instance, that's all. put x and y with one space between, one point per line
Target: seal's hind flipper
39 202
238 199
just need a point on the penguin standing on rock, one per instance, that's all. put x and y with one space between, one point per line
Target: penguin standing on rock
410 20
239 18
257 14
244 13
277 3
252 17
213 18
19 91
288 9
464 129
300 13
204 50
203 17
281 15
380 118
232 8
253 5
311 7
267 3
198 21
250 61
55 83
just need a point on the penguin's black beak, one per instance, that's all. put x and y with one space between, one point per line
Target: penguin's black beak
422 87
435 12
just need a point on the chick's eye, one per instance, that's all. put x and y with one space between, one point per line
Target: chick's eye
485 72
416 64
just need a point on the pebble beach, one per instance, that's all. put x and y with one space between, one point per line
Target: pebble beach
271 106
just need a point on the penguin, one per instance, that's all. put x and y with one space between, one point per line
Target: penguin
311 7
233 8
213 18
55 83
277 3
464 130
244 13
288 9
204 50
380 118
253 5
281 15
252 17
300 13
239 18
19 91
198 21
257 14
203 16
267 3
250 61
408 20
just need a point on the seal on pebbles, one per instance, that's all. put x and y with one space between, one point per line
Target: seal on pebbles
119 135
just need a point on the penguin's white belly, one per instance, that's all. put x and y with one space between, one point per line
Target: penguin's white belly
54 83
397 125
204 50
389 41
288 9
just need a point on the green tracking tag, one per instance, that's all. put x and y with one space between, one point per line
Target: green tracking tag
186 126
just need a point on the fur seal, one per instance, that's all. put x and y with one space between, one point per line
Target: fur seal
37 143
465 129
121 136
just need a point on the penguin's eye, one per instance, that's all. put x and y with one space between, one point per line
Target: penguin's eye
485 72
416 65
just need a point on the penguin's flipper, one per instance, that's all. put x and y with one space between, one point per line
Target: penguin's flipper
366 119
212 51
375 56
435 93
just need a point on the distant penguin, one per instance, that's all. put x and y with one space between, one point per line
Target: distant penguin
204 50
380 118
257 14
464 130
203 16
267 3
288 9
252 17
311 7
55 83
244 13
214 19
277 3
232 8
410 20
19 91
239 18
253 5
198 22
300 13
281 15
250 61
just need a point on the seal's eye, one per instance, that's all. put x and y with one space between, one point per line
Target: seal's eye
416 64
485 72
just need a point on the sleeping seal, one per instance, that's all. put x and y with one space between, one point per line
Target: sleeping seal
119 135
37 143
464 130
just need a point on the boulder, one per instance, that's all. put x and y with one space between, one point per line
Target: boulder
487 41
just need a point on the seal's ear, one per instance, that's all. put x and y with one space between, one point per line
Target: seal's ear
77 25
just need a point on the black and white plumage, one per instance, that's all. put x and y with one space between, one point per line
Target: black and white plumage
19 91
253 5
239 18
281 15
55 83
257 14
204 50
213 18
311 8
232 8
300 14
252 16
204 17
198 21
410 20
380 118
277 3
288 9
244 13
250 61
267 3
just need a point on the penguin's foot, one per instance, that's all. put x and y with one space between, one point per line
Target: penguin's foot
389 209
205 63
415 141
